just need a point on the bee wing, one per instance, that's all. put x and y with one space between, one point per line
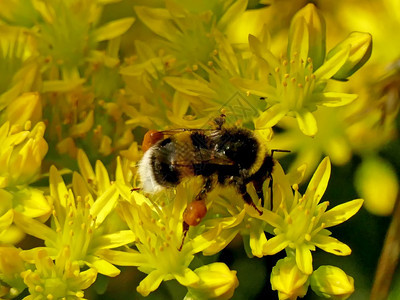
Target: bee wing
204 156
179 130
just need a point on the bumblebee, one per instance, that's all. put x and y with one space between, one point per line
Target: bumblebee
224 156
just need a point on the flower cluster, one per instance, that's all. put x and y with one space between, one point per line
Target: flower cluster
82 81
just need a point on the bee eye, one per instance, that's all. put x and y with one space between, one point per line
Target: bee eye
150 138
194 212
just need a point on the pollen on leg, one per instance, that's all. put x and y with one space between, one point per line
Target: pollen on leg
150 138
195 212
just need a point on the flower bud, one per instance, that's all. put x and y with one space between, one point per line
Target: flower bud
332 283
315 25
360 45
21 154
288 280
217 281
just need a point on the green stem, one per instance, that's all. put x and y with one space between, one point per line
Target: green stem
389 258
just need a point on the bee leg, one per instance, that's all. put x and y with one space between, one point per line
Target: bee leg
246 197
258 186
185 230
196 210
271 191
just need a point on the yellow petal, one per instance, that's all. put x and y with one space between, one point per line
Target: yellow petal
80 129
258 241
35 228
270 117
86 278
187 277
307 122
85 167
298 39
102 179
191 87
235 10
276 244
80 188
319 181
104 267
304 259
150 283
255 87
58 190
331 245
333 99
113 29
122 258
158 20
341 213
115 239
104 204
6 219
333 64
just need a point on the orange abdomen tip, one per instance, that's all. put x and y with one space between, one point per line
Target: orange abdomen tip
195 212
150 138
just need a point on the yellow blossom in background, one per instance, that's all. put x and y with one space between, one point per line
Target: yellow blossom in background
295 84
377 183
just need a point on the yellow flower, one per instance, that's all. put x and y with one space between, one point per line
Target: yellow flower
331 282
300 222
228 215
288 279
78 221
295 85
188 36
21 153
157 226
61 279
